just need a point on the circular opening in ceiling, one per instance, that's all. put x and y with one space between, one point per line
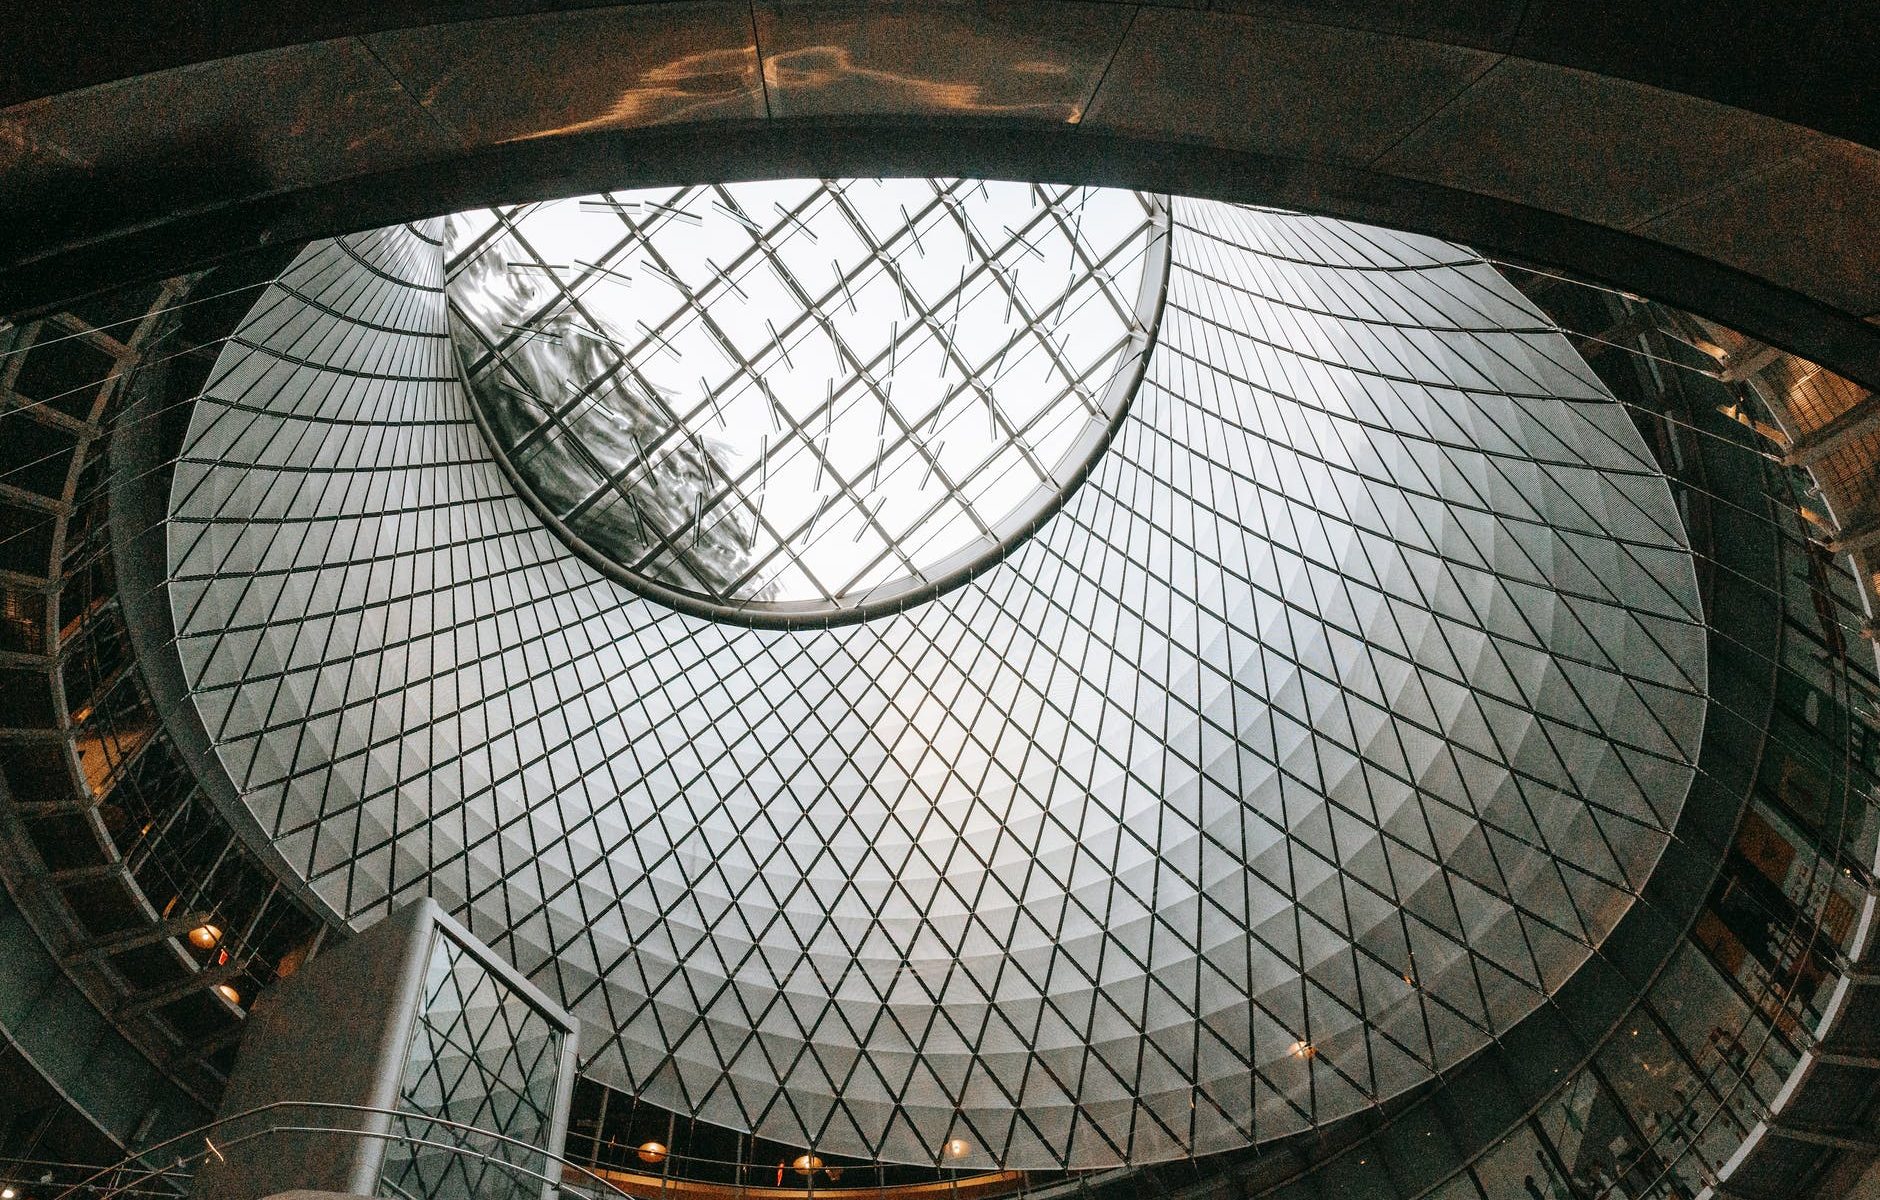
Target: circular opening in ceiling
804 402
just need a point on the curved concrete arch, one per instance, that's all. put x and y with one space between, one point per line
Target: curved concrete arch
1535 134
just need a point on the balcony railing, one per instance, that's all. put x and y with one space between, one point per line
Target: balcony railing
171 1165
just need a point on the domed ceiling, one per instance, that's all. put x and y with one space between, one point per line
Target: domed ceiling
1327 727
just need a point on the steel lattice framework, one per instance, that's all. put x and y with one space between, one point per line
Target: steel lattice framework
1324 731
879 388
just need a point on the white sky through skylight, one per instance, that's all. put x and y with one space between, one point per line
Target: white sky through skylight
812 393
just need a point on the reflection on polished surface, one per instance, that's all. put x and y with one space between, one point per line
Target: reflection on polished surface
1013 61
693 87
859 1182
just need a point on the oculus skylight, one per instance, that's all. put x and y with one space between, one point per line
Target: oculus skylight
804 400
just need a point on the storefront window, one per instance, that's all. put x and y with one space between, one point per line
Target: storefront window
1590 1135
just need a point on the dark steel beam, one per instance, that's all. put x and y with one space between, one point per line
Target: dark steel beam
1751 363
1860 536
90 873
145 1001
1834 1139
162 245
132 939
1858 421
198 1051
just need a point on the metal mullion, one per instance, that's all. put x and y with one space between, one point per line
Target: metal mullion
921 448
512 230
662 539
220 518
1089 406
910 223
1346 694
955 491
989 263
1097 271
499 361
1546 732
1092 268
481 243
894 545
1124 606
1527 800
750 371
662 445
1122 359
1034 326
947 345
1291 604
758 240
501 350
1445 450
635 233
814 311
968 504
761 244
693 303
595 269
1351 936
729 490
614 479
876 251
1266 389
1451 748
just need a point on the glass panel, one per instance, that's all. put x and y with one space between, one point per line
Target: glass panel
812 393
1594 1141
1662 1097
1736 1052
1519 1168
482 1056
1270 777
1461 1187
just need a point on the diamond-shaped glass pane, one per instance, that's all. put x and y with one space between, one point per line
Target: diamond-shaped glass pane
482 1060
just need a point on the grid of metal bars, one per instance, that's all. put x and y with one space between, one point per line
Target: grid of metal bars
485 1057
809 399
1318 738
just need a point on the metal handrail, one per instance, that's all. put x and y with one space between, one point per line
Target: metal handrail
210 1150
405 1139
